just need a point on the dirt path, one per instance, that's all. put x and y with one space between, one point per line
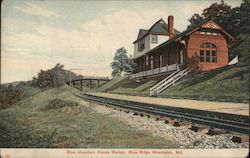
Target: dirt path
226 107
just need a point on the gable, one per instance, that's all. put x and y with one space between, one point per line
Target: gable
159 27
210 25
141 33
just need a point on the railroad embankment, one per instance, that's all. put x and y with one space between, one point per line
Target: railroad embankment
56 118
226 84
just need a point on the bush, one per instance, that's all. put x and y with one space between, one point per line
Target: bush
9 96
59 103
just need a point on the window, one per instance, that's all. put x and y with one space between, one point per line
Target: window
201 55
214 57
154 39
208 32
207 56
141 45
213 46
208 45
208 52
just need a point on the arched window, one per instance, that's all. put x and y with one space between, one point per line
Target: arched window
208 53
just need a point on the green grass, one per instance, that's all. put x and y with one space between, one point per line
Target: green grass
112 84
56 118
134 88
230 83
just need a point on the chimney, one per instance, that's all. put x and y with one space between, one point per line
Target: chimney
171 26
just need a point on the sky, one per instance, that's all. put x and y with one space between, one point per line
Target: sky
80 34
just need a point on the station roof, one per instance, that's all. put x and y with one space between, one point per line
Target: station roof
160 27
179 36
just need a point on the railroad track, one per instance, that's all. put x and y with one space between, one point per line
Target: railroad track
228 122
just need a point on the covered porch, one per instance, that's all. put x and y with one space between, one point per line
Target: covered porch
157 71
161 61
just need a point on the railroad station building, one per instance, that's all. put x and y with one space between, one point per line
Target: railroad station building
162 49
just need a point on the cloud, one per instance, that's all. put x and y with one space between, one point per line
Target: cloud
91 48
35 9
190 8
23 65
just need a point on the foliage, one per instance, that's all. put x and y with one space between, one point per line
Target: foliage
235 21
9 96
54 77
60 103
122 63
44 79
195 20
81 126
217 10
12 93
243 47
194 63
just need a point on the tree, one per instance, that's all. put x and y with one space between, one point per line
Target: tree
195 20
122 63
44 79
54 77
130 66
235 21
216 11
58 79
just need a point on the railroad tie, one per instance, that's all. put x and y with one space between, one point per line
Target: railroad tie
215 131
197 128
240 139
181 123
160 118
169 121
141 114
135 113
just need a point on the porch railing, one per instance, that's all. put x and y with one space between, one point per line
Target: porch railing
164 69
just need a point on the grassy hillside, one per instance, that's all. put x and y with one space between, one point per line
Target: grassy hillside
56 118
112 84
230 83
123 85
133 87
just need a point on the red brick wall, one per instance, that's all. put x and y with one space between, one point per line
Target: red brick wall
193 51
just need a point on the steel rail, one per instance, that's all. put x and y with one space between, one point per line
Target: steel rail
232 118
194 118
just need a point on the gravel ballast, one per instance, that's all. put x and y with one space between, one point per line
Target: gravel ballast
182 135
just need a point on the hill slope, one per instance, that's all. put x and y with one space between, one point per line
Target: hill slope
56 118
229 83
